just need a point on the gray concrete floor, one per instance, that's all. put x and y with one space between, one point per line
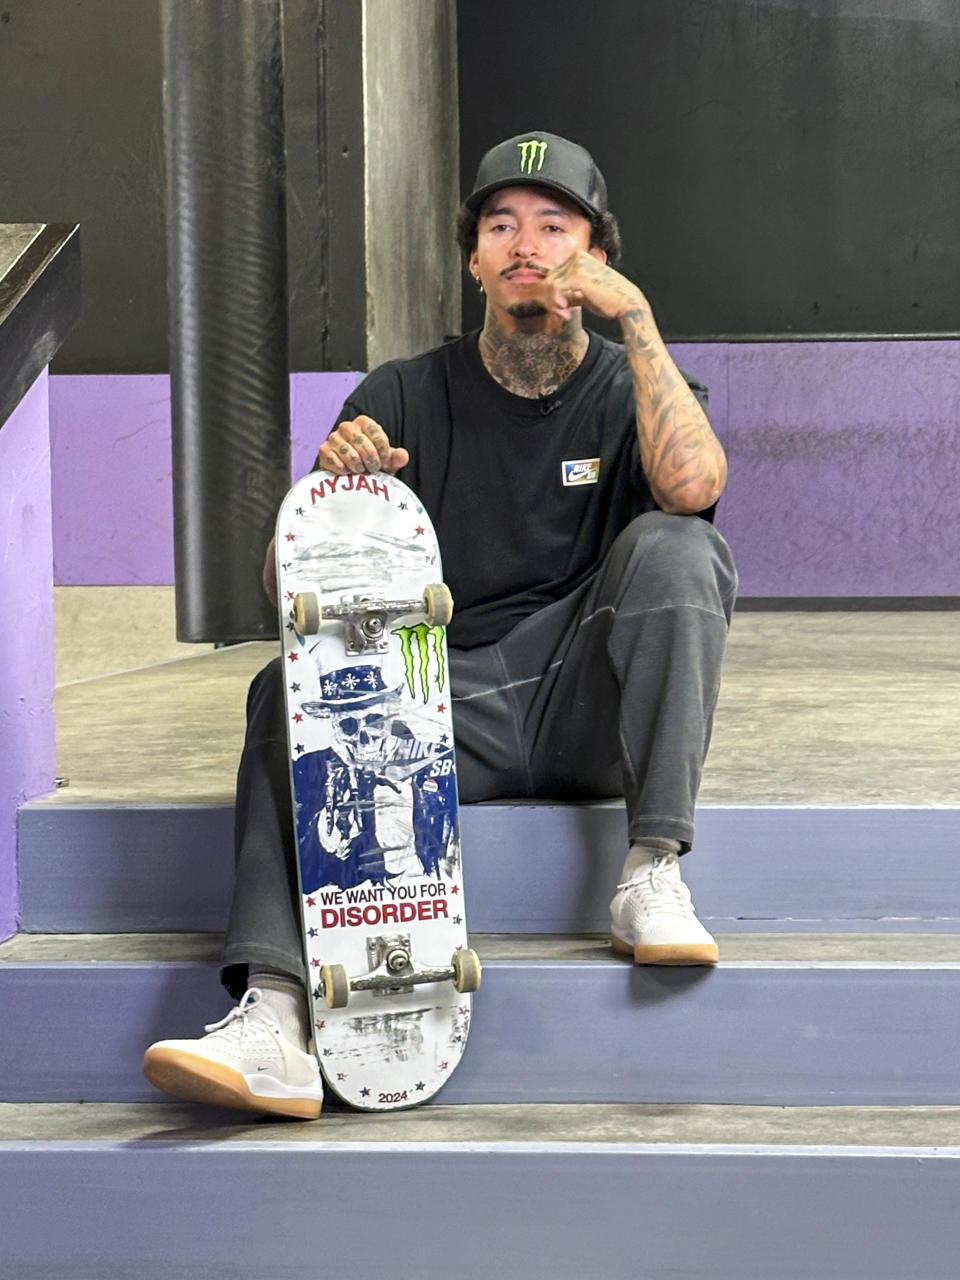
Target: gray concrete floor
592 1122
785 948
852 708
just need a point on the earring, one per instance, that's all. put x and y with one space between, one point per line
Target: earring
479 283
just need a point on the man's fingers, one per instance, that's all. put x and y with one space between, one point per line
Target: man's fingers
376 435
398 458
339 457
358 445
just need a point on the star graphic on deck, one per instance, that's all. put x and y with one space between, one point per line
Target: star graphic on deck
317 992
299 511
458 919
341 1075
285 566
300 748
444 1066
313 933
463 1011
419 531
297 717
403 506
328 1053
455 888
320 1025
315 963
420 1086
444 737
290 626
288 595
364 1093
458 1039
294 657
311 902
291 537
294 688
442 707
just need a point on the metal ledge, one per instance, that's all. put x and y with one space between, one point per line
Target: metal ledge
40 301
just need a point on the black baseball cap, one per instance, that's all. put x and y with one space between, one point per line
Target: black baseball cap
539 159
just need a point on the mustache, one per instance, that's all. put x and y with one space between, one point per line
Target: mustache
522 266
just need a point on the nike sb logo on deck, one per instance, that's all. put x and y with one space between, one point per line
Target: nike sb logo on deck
581 471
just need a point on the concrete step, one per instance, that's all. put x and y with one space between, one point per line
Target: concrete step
802 1019
703 1193
530 867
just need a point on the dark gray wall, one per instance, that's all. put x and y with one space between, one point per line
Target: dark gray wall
81 140
778 166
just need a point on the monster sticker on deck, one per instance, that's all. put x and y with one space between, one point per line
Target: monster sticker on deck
424 658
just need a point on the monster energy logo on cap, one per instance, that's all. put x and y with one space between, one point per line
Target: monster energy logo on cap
542 160
532 152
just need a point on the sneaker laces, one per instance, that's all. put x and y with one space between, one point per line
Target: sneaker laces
239 1013
662 876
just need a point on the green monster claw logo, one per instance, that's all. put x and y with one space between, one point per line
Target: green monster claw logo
428 643
531 155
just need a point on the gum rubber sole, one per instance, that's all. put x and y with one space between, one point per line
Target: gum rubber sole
675 953
186 1075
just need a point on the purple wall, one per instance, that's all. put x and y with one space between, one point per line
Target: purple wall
112 494
844 465
27 748
841 478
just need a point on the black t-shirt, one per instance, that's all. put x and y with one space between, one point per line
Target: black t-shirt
526 495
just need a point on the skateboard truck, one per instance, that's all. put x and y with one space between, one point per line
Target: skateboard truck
365 617
392 969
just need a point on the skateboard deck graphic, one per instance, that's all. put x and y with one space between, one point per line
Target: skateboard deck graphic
374 787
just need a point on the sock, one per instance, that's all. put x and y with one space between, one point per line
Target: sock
642 852
286 999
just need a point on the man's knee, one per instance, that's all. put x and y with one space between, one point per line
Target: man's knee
668 559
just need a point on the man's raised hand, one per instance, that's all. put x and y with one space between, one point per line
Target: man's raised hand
585 280
360 445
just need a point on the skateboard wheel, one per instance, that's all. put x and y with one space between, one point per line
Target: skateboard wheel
306 613
336 986
466 970
437 604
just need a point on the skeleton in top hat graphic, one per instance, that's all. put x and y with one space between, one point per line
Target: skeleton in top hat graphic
374 783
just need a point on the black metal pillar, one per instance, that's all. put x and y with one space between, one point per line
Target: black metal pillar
223 114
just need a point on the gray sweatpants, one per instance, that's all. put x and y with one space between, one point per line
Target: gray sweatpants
608 692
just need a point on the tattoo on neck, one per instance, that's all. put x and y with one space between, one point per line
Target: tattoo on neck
535 363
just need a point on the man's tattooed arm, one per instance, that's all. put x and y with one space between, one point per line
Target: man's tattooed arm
682 459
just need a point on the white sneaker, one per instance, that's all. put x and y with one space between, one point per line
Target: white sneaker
653 918
243 1061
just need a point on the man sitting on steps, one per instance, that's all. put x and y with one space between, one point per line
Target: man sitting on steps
571 481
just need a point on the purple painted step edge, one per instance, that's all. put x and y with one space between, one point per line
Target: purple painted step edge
717 1213
529 868
798 1034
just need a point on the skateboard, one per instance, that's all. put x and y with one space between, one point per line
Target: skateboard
363 611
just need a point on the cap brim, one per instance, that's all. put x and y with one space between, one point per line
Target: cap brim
476 198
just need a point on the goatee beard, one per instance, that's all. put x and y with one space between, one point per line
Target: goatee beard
526 310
